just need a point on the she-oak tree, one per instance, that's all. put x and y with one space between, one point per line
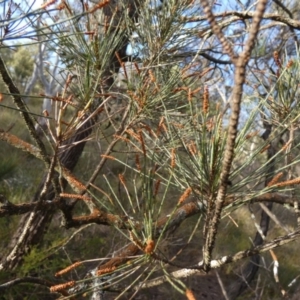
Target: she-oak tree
159 145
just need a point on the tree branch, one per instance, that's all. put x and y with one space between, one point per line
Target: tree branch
295 24
34 280
217 30
239 80
23 111
217 263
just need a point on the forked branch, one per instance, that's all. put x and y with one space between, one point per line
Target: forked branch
239 80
